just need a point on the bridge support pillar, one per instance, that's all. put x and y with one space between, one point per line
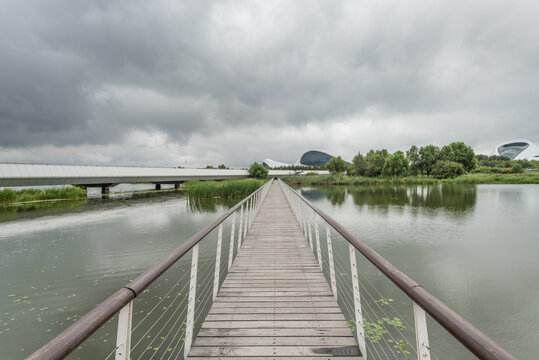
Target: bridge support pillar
157 186
105 190
176 186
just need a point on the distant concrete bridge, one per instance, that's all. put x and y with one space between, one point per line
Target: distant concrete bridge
18 174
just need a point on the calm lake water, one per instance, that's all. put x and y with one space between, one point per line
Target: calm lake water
474 247
57 263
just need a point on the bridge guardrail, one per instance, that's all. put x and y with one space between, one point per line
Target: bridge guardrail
122 301
472 338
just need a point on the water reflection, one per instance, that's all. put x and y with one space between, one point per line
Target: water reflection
337 195
455 198
209 205
10 211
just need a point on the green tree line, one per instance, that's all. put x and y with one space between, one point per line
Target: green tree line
448 161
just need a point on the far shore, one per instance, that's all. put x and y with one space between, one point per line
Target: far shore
341 179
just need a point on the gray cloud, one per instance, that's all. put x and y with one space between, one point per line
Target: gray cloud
203 79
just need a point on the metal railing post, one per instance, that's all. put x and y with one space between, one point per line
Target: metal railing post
232 238
318 251
331 264
357 302
421 334
123 337
191 304
246 220
251 211
240 232
310 233
305 217
217 261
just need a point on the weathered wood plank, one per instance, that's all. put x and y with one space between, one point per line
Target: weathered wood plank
301 324
313 351
277 341
273 310
237 298
272 304
273 332
259 317
266 357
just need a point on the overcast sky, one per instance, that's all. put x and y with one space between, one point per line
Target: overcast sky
207 82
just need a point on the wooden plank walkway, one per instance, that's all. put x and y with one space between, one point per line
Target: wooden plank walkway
275 302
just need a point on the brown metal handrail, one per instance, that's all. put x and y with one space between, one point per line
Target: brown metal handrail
68 340
472 338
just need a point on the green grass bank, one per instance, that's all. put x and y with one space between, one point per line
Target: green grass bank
9 196
222 189
339 179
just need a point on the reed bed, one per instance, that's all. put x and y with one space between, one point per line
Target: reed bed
222 189
10 196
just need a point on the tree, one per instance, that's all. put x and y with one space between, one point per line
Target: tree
258 171
429 156
415 159
222 166
359 165
460 153
517 169
209 167
375 162
336 165
445 169
395 165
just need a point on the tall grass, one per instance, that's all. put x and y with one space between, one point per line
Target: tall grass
9 196
222 189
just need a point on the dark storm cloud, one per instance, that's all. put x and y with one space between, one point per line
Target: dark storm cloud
91 73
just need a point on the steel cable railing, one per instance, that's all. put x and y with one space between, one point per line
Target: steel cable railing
197 295
349 298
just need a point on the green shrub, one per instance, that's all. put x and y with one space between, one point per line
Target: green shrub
517 169
258 171
447 169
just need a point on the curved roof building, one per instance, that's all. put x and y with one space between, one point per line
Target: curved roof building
268 163
308 158
517 149
314 158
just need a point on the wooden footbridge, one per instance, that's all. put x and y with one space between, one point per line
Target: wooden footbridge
275 290
275 300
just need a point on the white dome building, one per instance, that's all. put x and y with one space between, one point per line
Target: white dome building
268 163
518 149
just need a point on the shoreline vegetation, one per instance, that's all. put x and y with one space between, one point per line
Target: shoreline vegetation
236 188
10 197
473 178
222 189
